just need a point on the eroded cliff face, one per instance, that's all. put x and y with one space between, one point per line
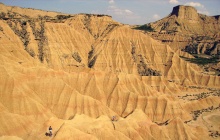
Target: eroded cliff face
74 72
185 13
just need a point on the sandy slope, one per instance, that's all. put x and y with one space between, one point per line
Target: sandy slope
94 68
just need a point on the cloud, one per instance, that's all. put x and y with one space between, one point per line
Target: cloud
195 4
111 1
156 17
128 11
117 11
201 8
122 14
173 1
113 9
205 12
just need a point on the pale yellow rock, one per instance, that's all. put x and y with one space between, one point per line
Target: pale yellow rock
91 71
10 138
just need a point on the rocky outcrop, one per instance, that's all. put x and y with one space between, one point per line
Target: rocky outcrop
185 13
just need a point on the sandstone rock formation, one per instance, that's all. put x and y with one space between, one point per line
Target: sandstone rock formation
185 13
184 25
74 72
185 30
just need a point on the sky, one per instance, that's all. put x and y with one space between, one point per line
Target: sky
134 12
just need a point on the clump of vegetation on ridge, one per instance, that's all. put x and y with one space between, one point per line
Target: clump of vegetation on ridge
202 60
146 28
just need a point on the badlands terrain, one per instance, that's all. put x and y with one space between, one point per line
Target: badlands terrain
185 30
75 72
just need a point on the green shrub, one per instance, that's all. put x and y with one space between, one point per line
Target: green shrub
147 28
201 60
61 17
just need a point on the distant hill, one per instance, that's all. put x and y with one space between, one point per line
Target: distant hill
18 12
185 30
189 31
